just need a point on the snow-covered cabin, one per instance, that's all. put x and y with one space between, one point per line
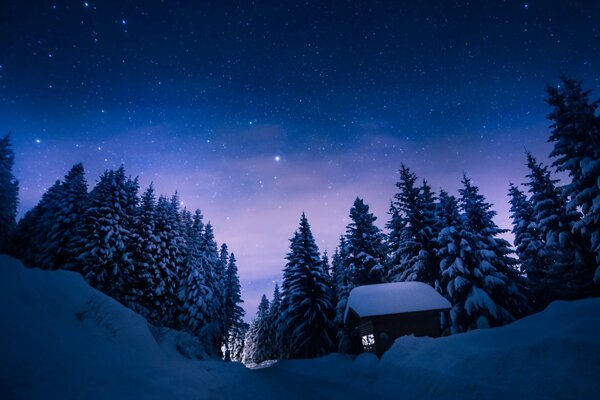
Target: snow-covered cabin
386 311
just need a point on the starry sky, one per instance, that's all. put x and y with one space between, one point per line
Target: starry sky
258 110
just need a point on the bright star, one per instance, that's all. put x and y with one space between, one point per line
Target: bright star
277 158
86 4
37 140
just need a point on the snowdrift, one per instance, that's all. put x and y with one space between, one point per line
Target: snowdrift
61 339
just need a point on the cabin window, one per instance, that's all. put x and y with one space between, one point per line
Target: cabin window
368 343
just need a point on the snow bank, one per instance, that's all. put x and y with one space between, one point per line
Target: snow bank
61 339
395 298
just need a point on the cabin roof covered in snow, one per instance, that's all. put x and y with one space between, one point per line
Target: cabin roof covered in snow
394 298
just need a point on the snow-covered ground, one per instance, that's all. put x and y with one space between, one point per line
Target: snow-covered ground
61 339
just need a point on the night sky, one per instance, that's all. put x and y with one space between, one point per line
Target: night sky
257 111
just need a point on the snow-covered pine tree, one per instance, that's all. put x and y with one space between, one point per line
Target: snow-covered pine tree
274 312
32 230
365 248
146 251
456 261
262 345
477 273
195 294
169 262
220 291
306 328
564 273
360 261
576 136
395 227
209 265
234 313
237 339
347 341
9 192
66 214
102 243
413 213
529 246
249 348
325 262
186 221
425 267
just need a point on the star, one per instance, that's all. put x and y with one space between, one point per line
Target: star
277 158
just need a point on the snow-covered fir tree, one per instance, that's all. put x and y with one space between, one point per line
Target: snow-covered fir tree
146 250
563 273
529 246
237 341
9 191
274 312
209 266
306 328
576 137
67 213
248 347
32 230
359 261
347 341
234 313
258 345
325 262
169 262
365 248
103 238
477 274
412 247
220 290
456 260
195 293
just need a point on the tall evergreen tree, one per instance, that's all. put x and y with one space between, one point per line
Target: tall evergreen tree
347 340
169 262
234 313
414 214
258 345
66 214
529 245
195 293
220 290
146 253
306 328
274 312
477 273
9 192
209 265
237 342
456 261
563 272
576 137
32 230
102 243
365 249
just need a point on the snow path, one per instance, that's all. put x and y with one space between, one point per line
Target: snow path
61 339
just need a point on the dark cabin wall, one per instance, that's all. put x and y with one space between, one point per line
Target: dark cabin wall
387 328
